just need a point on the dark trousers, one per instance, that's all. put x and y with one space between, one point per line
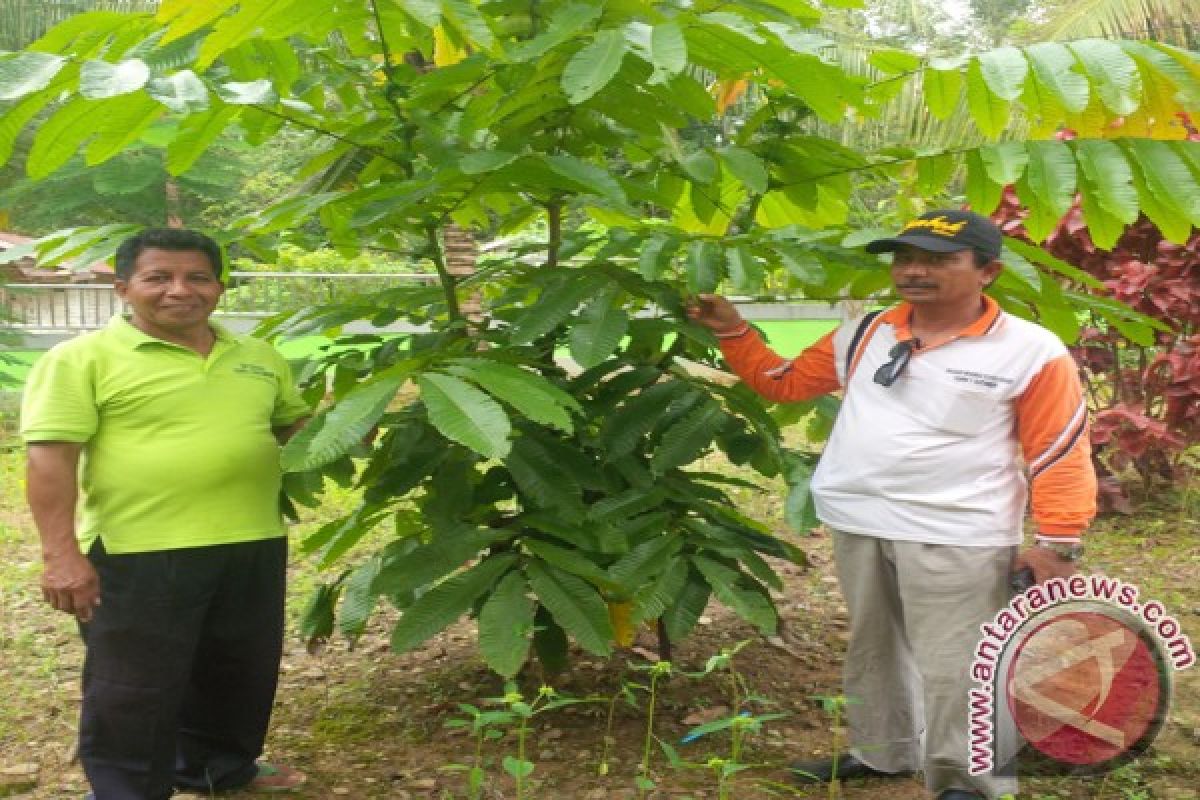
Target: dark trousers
181 667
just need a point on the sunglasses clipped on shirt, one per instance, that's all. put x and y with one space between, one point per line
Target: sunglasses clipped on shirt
898 358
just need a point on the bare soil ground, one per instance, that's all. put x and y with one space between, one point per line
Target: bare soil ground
368 723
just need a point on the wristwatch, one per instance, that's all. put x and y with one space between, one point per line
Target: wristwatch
1067 551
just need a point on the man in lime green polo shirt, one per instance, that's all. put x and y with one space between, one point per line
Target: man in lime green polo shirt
153 477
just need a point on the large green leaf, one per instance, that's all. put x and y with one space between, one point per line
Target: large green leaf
645 562
747 167
729 585
685 440
556 302
745 270
989 110
25 73
446 602
466 415
359 598
601 327
1168 188
60 136
983 193
196 134
591 69
186 16
941 91
1110 181
703 266
182 92
566 23
100 79
405 571
624 429
1048 186
1113 74
572 560
336 430
668 51
506 625
122 126
1054 70
1004 71
575 606
652 600
689 603
528 392
539 479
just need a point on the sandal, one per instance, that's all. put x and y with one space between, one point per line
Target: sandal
276 778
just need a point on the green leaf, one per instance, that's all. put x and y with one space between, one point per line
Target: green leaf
655 257
359 598
988 109
60 136
637 416
689 604
1113 74
571 560
894 62
684 441
1004 71
1168 189
446 602
540 480
466 415
337 429
182 92
316 620
195 135
745 271
558 299
588 178
941 90
409 570
247 93
549 642
983 193
122 126
1109 192
645 562
516 767
747 168
591 69
1005 162
565 23
601 327
798 509
1048 186
703 266
668 51
1054 70
700 166
506 625
25 73
187 16
100 79
469 22
652 600
528 392
575 606
727 584
484 161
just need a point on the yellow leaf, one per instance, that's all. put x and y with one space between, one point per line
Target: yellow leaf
619 614
446 50
727 92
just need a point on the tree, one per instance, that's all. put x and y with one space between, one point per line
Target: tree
565 485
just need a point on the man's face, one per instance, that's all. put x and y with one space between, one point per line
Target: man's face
173 291
935 280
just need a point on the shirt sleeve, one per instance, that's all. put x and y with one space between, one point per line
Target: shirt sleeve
808 375
59 399
289 405
1052 426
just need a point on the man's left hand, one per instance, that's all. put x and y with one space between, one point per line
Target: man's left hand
1045 563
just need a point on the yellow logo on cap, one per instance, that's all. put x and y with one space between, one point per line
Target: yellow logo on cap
938 225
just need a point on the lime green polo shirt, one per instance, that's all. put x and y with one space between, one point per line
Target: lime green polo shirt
178 448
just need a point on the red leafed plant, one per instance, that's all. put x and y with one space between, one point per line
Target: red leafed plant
1146 399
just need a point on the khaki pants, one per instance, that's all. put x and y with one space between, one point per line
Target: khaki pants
915 612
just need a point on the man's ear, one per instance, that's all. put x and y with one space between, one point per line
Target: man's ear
120 287
991 271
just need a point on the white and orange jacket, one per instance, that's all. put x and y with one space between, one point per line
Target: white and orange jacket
941 455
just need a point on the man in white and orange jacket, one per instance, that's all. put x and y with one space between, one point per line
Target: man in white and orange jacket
951 409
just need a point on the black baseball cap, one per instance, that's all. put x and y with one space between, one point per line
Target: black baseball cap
946 231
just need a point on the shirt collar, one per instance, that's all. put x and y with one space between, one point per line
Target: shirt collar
900 316
134 337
